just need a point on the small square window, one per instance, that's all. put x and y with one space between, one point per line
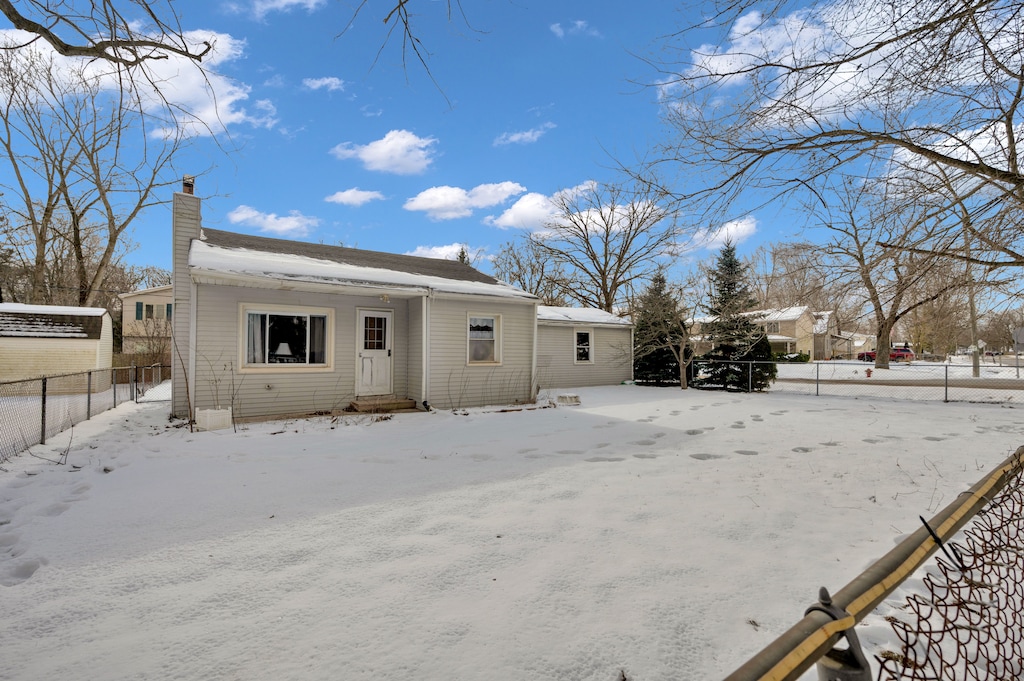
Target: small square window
771 327
483 340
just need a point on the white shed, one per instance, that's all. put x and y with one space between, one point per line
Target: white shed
579 347
43 340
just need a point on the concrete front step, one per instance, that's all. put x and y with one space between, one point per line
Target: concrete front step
381 404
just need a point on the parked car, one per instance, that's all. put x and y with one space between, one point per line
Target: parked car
895 355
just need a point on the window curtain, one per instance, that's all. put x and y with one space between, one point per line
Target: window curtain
256 341
317 340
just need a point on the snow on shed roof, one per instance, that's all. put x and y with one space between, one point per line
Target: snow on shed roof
50 321
294 261
579 315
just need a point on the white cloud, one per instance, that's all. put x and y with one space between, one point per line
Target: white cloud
449 252
400 152
449 203
578 27
354 197
205 101
261 8
531 211
736 231
329 83
525 137
293 224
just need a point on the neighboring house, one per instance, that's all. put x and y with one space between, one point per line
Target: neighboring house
146 323
45 340
582 347
270 327
790 330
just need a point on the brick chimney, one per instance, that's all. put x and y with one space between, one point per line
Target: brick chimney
188 184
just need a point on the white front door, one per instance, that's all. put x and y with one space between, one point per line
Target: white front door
373 363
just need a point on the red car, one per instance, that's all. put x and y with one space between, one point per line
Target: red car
895 355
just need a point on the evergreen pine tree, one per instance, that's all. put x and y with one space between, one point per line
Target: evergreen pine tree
736 340
463 255
657 335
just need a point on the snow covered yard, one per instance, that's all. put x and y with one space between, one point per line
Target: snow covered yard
653 532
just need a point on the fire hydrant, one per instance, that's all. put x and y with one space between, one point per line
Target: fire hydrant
867 372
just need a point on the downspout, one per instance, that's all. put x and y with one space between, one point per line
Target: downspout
193 294
425 349
533 361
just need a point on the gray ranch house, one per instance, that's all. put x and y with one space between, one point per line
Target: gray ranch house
270 327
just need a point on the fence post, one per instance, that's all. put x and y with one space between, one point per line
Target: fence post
88 395
946 382
42 411
113 383
817 380
135 383
750 376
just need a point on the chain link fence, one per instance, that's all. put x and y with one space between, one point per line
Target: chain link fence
944 382
965 623
969 621
33 410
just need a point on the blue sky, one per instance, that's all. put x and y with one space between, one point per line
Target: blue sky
331 142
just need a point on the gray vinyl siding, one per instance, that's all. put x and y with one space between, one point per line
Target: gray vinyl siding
256 393
556 352
453 381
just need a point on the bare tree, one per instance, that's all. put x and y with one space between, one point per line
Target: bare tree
608 238
122 32
891 281
531 268
793 94
81 165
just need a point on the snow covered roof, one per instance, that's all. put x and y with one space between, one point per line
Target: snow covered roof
579 315
146 291
279 260
50 321
784 314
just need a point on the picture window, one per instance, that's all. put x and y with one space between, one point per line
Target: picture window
285 338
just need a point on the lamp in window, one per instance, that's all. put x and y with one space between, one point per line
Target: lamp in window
283 350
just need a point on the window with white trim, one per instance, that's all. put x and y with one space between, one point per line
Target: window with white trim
584 349
484 339
289 338
771 327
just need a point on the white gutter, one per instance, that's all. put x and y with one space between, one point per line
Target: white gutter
533 363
